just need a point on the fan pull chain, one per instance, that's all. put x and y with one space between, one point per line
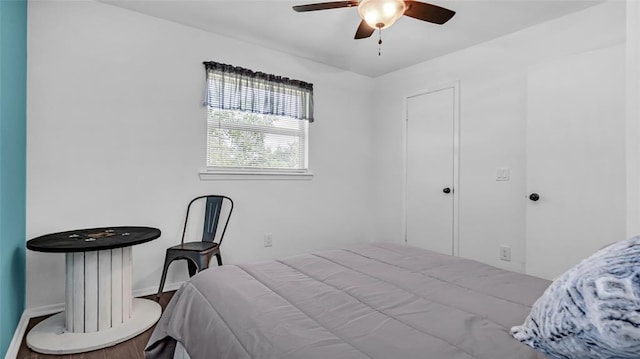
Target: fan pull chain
379 40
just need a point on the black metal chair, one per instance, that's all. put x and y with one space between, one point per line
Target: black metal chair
198 254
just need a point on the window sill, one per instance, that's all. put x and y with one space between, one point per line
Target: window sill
230 175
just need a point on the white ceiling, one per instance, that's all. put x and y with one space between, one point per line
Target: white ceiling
327 36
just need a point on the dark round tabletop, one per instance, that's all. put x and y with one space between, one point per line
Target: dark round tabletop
93 239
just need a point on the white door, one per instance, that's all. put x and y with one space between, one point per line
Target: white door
575 159
430 170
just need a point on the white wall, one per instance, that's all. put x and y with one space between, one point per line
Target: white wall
492 117
116 136
633 117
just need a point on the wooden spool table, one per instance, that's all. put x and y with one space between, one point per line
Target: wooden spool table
100 310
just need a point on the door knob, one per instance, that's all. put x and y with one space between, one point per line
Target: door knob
534 197
446 190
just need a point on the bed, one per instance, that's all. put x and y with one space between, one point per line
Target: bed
376 301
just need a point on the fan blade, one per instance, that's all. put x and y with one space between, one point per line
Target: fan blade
428 12
325 6
364 31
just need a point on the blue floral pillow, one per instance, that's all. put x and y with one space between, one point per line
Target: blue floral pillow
592 311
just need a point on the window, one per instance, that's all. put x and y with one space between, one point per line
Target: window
237 139
256 122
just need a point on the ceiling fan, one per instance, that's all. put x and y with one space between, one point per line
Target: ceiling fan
380 14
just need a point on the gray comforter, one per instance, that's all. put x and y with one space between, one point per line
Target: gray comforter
378 301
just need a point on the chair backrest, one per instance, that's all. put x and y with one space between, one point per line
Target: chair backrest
212 211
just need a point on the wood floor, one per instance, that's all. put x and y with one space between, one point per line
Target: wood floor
131 349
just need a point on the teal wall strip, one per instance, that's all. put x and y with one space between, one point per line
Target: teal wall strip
13 121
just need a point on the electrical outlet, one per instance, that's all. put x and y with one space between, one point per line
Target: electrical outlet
268 240
502 174
505 253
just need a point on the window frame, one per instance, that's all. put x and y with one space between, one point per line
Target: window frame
233 88
256 173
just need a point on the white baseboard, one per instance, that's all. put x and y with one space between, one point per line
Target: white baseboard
44 310
153 290
59 307
14 346
29 313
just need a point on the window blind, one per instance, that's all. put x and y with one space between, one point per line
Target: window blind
238 139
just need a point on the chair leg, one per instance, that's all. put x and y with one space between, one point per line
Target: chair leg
203 261
219 258
193 268
167 261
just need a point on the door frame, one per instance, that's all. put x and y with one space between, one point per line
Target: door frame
455 85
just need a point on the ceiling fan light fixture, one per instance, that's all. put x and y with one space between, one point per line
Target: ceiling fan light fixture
380 14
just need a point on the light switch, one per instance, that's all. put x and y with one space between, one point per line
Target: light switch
502 174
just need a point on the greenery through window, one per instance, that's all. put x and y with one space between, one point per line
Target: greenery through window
246 140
